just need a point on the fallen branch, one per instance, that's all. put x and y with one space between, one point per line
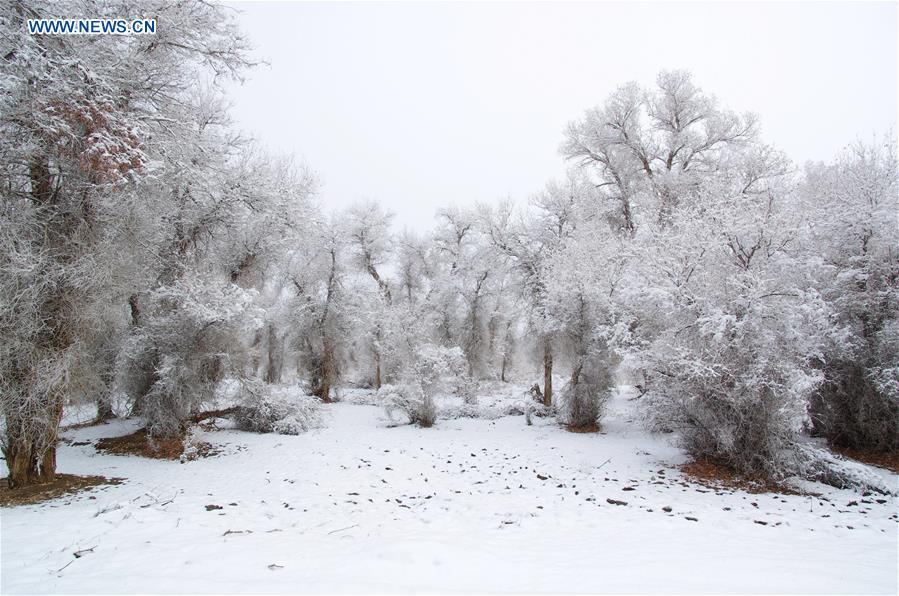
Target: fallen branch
342 529
213 414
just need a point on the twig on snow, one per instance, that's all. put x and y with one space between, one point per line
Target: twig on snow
80 553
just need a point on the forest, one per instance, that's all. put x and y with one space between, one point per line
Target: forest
158 267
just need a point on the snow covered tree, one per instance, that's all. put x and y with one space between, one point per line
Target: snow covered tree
645 149
582 316
322 308
84 122
528 241
369 239
711 295
853 242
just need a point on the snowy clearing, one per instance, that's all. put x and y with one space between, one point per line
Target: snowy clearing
471 505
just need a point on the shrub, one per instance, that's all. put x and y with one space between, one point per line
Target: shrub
432 369
736 385
410 401
583 400
858 407
272 409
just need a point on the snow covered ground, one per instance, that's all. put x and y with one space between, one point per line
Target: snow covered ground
467 506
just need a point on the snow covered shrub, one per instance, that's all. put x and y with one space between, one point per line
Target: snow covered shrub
175 393
467 388
858 405
723 323
410 401
272 409
172 362
584 397
853 234
432 369
818 464
735 383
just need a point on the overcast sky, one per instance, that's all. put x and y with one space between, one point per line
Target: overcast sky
425 104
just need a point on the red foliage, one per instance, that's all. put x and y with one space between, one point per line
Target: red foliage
106 149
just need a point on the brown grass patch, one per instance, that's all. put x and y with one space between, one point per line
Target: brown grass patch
715 474
143 445
64 484
881 459
587 428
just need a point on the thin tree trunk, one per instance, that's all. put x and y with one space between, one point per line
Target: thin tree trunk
547 372
134 307
255 355
273 368
508 346
328 372
328 368
104 408
48 460
377 370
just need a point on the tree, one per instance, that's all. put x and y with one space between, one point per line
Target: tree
368 232
584 317
528 242
646 148
709 294
83 123
852 242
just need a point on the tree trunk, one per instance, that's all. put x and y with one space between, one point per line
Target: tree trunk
328 372
22 465
255 355
377 370
48 465
48 461
275 358
104 408
134 306
328 369
31 456
27 466
508 347
41 180
547 372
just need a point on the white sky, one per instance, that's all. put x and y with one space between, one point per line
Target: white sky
421 105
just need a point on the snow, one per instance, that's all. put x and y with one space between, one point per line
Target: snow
358 506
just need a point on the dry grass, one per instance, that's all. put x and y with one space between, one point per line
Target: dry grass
141 444
715 474
64 484
586 428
